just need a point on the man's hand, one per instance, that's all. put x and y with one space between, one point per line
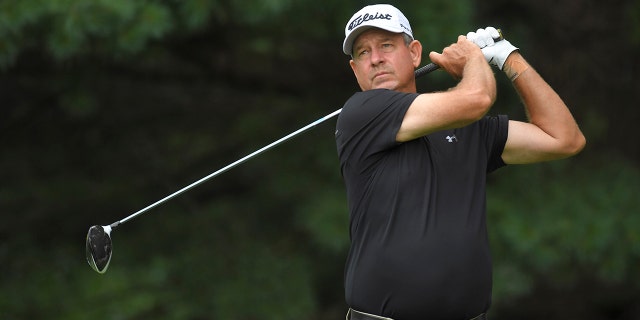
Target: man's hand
455 57
495 49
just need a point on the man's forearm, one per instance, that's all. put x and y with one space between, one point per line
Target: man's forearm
543 105
478 75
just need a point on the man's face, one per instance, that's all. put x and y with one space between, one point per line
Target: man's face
382 60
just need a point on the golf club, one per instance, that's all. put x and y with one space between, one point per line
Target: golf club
99 245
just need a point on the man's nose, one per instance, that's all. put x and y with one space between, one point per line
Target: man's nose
377 56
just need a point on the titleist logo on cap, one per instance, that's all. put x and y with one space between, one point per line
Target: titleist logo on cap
368 17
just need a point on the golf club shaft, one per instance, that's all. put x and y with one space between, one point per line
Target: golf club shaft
418 73
231 165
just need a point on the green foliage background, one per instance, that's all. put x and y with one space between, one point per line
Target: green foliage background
108 106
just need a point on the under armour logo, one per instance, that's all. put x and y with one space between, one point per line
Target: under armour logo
452 138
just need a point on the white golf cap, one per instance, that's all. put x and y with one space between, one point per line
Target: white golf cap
383 16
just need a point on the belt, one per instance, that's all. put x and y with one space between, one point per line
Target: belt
358 315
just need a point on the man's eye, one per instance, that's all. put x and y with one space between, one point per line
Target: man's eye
387 46
363 53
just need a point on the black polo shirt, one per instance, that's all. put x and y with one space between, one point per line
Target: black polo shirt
419 245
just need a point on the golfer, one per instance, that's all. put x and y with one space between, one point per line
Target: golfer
415 166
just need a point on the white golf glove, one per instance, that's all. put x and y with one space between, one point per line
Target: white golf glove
495 48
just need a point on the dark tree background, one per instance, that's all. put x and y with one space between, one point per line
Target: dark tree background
110 105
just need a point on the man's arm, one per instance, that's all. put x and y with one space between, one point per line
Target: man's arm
464 104
552 132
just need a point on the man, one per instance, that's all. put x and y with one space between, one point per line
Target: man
415 166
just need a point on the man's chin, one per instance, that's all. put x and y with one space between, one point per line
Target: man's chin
385 85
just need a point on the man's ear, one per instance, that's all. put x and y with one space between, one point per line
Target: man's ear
415 48
353 67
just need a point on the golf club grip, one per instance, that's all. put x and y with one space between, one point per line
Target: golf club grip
426 69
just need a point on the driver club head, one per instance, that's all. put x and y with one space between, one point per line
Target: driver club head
98 248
